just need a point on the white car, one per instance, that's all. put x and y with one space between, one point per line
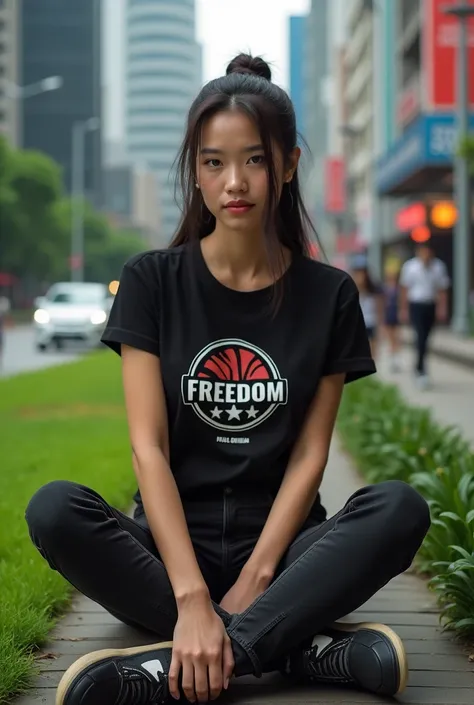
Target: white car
71 311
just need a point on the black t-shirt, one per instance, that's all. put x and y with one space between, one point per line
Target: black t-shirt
238 376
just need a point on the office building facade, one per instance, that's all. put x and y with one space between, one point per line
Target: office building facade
64 39
163 75
9 45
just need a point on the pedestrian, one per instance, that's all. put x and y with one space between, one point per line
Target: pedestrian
424 285
371 303
391 295
235 348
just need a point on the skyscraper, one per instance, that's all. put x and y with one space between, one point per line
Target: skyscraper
8 69
297 27
63 39
163 74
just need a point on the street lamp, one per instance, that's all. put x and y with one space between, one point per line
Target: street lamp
17 93
462 239
79 131
51 83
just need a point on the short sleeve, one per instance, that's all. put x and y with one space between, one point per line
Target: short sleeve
444 281
405 275
349 347
134 316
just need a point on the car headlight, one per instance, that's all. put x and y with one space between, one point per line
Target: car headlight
41 316
98 317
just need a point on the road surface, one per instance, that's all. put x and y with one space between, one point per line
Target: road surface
20 355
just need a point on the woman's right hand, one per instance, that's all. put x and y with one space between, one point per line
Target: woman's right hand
202 654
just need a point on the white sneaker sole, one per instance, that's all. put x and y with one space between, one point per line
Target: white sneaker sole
397 644
94 657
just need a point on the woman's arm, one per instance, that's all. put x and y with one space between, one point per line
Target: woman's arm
148 428
300 484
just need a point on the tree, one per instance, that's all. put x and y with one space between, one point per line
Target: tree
30 235
35 224
466 150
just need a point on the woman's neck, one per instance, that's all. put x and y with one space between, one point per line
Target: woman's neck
239 260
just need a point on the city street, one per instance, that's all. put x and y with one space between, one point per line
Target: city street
20 354
452 394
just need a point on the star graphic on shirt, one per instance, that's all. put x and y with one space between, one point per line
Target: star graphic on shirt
234 413
216 413
252 412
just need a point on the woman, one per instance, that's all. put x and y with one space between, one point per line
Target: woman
371 303
391 320
232 385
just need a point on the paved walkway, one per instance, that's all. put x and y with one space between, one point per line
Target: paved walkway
451 398
441 672
448 345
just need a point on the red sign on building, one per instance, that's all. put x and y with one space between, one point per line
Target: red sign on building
440 42
410 217
334 185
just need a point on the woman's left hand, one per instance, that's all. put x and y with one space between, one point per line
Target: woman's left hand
243 593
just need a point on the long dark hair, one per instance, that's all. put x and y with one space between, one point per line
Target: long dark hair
247 87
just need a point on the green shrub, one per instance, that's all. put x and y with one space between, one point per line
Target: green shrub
391 440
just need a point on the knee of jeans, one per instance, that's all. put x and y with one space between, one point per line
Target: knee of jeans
48 513
409 511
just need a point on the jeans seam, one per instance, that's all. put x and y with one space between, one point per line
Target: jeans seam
349 507
257 667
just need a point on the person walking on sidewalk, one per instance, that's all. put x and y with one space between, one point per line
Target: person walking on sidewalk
424 283
371 303
232 384
391 295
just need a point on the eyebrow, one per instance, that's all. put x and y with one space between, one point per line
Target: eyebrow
252 148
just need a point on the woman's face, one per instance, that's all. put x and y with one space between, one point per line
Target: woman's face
232 173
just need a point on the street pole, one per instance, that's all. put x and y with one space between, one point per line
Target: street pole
79 131
22 93
77 202
462 237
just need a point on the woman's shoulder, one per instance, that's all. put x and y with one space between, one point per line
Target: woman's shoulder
325 275
156 261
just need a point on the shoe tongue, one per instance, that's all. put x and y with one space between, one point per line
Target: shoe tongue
321 642
154 667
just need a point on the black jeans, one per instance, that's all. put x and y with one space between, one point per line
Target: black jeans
423 318
329 570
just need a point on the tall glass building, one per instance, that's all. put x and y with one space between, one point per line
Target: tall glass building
163 75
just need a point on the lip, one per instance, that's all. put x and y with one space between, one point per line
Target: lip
238 204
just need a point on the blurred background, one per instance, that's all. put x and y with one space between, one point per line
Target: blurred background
94 96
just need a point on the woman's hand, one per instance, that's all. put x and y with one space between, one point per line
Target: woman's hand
202 652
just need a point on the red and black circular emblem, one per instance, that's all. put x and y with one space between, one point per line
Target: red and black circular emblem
233 385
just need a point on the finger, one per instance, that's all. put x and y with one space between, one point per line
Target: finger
173 676
228 664
201 682
216 677
187 682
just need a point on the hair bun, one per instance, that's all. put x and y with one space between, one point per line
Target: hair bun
247 64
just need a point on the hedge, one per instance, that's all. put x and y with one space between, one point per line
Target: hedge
389 439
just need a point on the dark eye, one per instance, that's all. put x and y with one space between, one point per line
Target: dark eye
257 159
213 162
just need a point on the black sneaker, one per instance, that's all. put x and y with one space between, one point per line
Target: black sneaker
365 655
135 676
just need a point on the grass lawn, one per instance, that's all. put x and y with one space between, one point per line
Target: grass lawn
63 423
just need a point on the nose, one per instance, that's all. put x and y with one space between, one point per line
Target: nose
235 180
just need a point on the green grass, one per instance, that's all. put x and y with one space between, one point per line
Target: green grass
63 423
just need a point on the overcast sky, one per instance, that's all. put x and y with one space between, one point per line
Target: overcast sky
224 27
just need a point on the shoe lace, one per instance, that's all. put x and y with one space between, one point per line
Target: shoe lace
331 665
140 689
